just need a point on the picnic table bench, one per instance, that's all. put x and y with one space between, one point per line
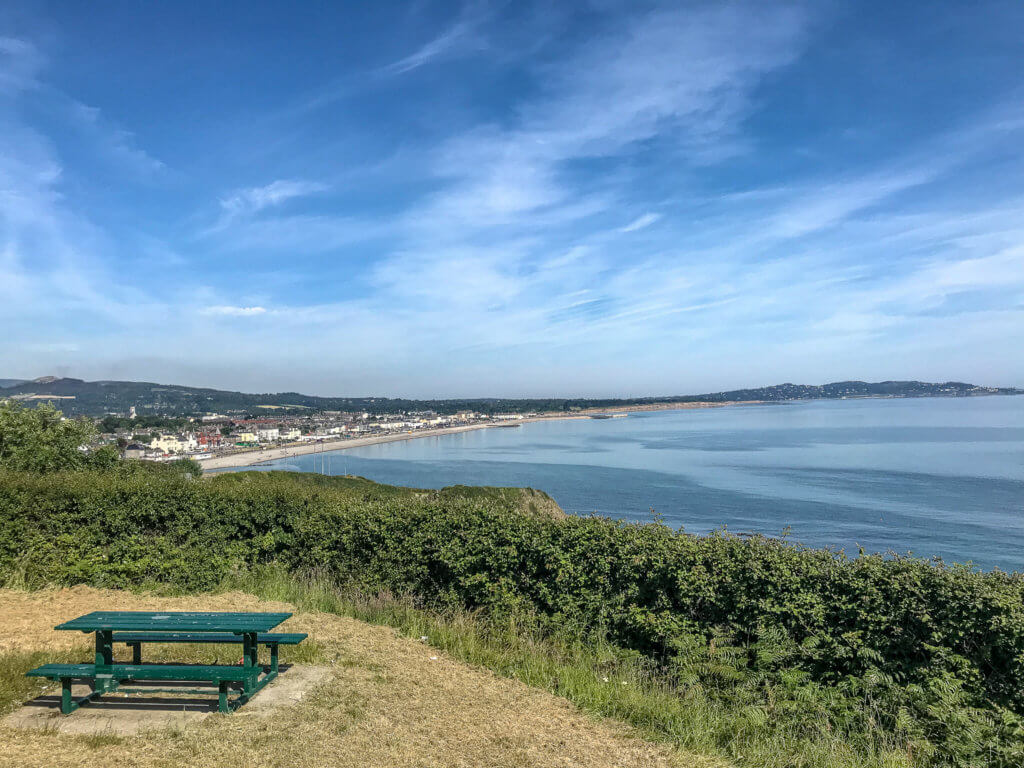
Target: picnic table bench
137 627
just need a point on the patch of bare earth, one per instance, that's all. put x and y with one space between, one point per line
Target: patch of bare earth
387 701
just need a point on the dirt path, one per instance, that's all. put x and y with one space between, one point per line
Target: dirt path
390 701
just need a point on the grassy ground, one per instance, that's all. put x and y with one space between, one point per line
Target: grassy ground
392 700
600 679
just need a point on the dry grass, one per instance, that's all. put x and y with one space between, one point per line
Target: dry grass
390 702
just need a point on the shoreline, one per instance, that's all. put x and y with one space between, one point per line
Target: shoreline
264 455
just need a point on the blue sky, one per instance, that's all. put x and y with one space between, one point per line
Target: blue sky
484 198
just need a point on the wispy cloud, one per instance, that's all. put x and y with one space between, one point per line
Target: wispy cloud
255 199
51 258
234 311
118 143
21 80
483 242
440 46
641 222
242 205
462 36
683 75
20 62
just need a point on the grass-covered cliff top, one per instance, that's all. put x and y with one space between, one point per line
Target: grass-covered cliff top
751 649
353 487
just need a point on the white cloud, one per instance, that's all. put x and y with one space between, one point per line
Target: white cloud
54 277
640 222
475 267
684 75
240 209
459 36
254 199
687 72
234 311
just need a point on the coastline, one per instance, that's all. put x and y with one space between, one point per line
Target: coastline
262 455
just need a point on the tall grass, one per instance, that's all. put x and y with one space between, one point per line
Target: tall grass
605 680
15 688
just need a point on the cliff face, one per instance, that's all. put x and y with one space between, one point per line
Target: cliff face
539 503
526 500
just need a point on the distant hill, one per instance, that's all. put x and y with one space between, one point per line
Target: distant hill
848 389
96 398
10 382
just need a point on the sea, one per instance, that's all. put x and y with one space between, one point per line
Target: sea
935 477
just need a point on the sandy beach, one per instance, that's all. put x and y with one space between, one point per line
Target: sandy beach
261 455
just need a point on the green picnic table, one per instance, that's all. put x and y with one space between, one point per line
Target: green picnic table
137 627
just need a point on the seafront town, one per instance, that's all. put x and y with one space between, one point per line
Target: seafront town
220 441
218 436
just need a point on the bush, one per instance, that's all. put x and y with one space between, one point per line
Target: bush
42 440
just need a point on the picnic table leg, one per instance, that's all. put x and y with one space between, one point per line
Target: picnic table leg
222 700
136 653
104 649
273 658
251 650
250 656
104 659
66 704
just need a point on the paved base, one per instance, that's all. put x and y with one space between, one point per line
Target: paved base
127 714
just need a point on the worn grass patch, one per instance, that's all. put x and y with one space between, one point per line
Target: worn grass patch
390 701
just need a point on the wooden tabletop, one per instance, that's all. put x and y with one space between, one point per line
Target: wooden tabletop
175 621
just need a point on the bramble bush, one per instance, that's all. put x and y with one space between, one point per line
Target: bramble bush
930 654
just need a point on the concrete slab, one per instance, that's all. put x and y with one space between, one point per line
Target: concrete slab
128 714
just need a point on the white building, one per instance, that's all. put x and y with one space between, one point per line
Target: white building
291 434
174 443
268 434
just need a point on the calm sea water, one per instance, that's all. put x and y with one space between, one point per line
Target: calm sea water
938 477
